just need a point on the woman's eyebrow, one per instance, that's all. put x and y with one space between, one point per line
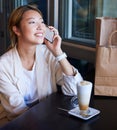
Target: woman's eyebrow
33 18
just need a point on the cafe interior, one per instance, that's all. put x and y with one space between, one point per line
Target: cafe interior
79 25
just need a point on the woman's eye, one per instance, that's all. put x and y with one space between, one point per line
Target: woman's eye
31 22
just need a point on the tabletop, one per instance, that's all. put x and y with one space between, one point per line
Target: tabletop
46 115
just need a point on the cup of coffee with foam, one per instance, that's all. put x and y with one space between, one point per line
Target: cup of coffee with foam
84 89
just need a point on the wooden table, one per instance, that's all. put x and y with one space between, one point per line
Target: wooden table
46 116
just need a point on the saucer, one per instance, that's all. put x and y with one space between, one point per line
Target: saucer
76 112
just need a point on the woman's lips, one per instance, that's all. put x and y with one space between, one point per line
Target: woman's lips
39 34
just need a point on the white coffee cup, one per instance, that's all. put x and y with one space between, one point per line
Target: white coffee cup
84 89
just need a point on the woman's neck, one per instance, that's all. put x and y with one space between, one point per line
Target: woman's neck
27 56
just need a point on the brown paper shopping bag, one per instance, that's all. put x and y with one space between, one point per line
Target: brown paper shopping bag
106 60
104 27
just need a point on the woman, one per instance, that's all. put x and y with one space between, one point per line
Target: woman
30 70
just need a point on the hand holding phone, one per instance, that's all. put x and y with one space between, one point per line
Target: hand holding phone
49 35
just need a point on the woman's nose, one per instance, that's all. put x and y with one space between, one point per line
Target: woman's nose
39 26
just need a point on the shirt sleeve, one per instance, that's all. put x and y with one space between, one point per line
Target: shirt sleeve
10 97
69 83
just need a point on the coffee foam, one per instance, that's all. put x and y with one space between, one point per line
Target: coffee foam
83 83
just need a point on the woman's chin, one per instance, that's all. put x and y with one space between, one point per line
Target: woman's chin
40 42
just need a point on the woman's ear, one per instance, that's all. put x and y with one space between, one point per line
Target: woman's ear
16 30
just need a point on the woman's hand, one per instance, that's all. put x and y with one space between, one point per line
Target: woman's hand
54 47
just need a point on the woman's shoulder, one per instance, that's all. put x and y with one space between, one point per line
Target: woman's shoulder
6 55
7 58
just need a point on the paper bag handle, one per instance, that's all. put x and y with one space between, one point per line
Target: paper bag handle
110 38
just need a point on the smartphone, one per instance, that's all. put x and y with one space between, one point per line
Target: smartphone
49 35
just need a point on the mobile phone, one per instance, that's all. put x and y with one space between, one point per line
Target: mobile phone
49 35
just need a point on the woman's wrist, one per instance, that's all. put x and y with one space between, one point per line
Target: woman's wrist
61 56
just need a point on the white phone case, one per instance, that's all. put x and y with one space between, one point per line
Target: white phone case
49 35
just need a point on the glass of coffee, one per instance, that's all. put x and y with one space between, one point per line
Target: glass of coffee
84 89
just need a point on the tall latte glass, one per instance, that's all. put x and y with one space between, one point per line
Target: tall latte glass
84 89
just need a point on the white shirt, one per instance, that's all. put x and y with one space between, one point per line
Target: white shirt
48 74
31 94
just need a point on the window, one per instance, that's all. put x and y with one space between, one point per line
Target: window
83 15
77 19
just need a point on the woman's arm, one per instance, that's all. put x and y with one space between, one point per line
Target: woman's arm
55 48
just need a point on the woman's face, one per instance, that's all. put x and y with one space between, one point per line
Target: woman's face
32 28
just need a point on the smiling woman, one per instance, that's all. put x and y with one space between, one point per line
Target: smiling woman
31 70
32 28
16 21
